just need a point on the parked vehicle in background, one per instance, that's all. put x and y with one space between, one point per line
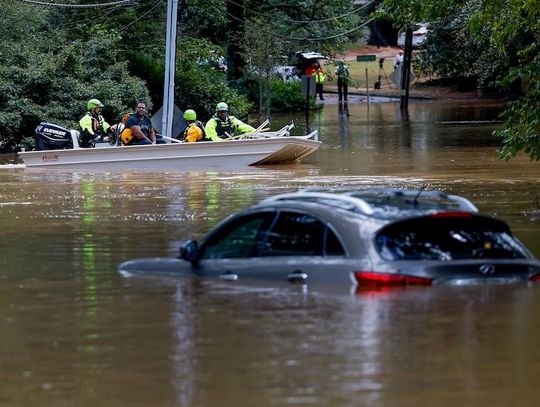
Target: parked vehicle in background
302 60
286 72
307 59
380 237
420 33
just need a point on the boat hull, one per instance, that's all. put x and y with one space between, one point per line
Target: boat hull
185 156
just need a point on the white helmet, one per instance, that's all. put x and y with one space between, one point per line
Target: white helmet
222 107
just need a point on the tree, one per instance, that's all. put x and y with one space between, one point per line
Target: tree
47 76
263 54
499 47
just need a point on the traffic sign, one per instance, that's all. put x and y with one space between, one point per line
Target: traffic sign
366 58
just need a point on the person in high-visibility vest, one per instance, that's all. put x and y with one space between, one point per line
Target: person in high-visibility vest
319 76
342 74
93 125
222 126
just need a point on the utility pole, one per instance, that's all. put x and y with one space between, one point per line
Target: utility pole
406 70
170 69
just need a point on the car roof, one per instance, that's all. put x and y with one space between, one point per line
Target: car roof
310 55
382 203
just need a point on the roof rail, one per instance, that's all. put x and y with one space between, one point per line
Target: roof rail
415 197
338 200
373 200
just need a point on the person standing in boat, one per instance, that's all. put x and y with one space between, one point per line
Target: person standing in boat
93 125
223 126
140 126
194 130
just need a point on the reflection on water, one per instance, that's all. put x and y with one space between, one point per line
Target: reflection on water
77 333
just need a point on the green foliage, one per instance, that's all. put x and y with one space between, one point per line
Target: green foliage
314 25
286 96
488 43
200 85
521 130
50 79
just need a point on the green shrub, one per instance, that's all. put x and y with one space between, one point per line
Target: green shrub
287 96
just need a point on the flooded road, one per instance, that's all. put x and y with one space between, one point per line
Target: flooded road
76 333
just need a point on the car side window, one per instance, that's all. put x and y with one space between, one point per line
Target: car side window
239 238
298 234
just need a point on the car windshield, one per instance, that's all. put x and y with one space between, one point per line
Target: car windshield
448 238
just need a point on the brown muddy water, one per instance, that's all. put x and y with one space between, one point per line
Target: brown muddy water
76 333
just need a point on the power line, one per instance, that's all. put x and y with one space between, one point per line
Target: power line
157 3
304 21
96 5
300 38
92 20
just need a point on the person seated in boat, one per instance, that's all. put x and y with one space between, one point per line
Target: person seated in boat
140 128
93 125
223 126
194 130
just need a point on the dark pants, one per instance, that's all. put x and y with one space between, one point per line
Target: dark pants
342 88
318 90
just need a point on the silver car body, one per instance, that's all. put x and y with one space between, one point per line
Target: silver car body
341 239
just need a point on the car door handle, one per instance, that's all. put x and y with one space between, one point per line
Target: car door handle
229 276
297 277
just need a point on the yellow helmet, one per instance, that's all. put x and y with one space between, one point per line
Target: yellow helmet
190 115
93 103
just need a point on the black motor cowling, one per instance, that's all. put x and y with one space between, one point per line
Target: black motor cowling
52 137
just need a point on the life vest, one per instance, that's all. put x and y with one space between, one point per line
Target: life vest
223 127
92 127
123 133
342 72
197 123
126 135
319 75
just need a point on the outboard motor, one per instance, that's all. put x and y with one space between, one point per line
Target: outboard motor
52 137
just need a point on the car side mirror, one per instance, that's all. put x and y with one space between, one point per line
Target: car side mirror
189 251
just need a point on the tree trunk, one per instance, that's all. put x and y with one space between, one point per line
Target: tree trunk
235 62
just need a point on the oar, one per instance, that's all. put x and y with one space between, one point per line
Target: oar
256 131
171 139
262 126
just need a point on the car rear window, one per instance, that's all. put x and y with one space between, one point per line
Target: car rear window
448 237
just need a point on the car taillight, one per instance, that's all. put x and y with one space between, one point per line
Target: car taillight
382 279
535 278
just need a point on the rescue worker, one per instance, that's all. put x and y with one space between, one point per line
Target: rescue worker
140 125
320 77
194 130
93 125
221 124
342 73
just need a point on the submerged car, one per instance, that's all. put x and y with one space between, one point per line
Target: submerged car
375 237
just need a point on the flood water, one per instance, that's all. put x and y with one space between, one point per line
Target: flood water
76 333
